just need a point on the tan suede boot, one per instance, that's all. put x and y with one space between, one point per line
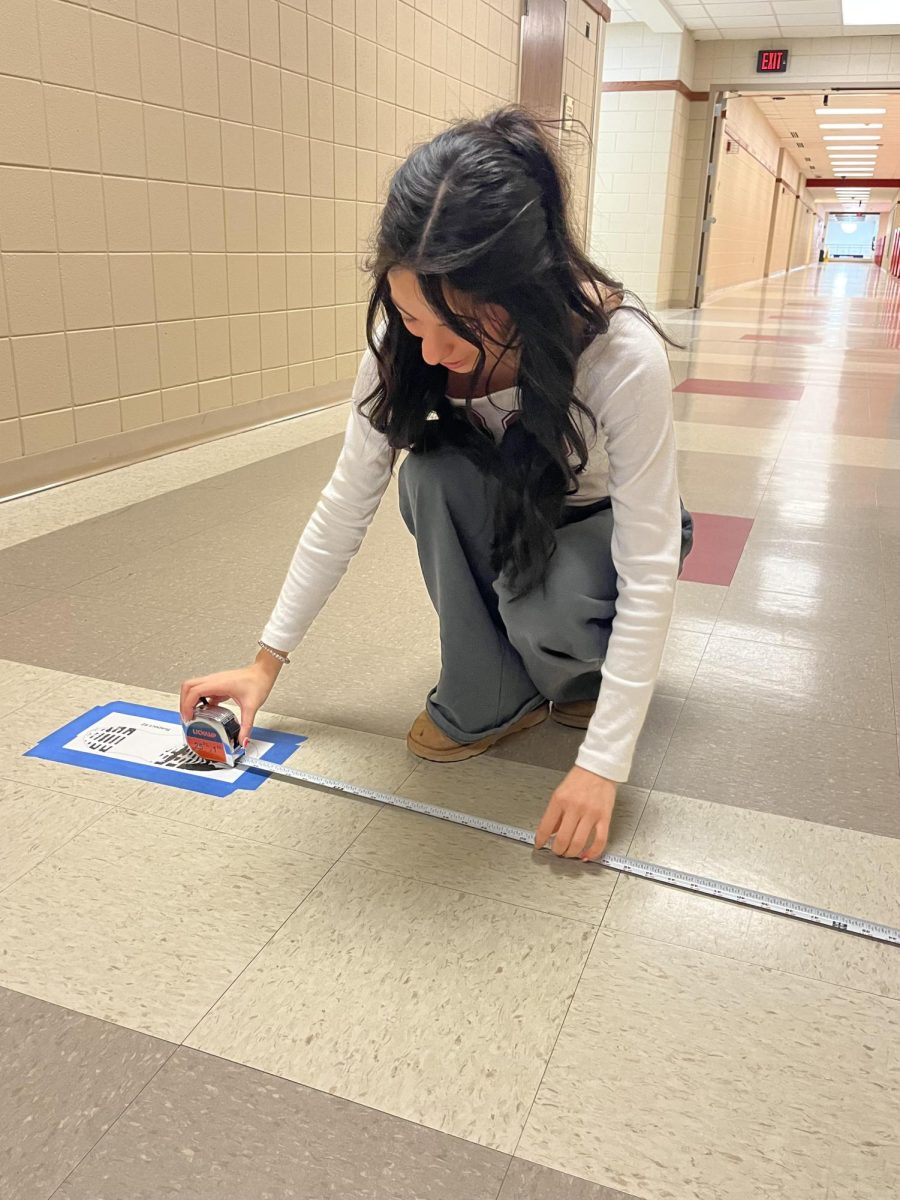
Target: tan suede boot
425 740
576 714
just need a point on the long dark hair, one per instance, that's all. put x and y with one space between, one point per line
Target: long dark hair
482 210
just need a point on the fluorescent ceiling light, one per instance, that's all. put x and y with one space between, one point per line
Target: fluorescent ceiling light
849 112
870 12
852 137
851 125
845 156
853 149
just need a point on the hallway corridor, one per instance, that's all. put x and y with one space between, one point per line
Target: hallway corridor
292 994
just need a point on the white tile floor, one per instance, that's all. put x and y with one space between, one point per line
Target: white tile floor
436 1010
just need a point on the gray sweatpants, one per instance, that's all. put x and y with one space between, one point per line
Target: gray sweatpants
502 657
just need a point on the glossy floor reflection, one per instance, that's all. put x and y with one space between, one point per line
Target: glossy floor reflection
290 993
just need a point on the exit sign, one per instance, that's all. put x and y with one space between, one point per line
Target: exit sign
768 61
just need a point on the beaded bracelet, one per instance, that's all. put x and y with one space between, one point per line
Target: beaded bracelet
280 655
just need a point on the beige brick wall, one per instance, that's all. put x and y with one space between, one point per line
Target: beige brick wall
745 193
643 144
584 41
185 190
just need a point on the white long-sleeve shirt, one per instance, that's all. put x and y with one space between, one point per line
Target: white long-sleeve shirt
623 377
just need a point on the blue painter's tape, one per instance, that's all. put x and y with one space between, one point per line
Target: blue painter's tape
53 748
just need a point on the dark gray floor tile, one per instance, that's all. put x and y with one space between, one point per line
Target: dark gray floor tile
815 771
528 1181
68 1077
14 596
73 633
555 746
187 518
207 1129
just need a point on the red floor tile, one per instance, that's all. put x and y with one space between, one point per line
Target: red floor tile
779 337
739 387
718 545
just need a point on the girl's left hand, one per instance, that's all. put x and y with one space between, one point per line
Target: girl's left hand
578 815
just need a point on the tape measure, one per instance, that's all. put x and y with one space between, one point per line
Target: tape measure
213 735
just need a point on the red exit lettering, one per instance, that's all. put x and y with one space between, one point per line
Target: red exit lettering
771 60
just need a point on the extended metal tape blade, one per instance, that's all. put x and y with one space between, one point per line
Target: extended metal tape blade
616 862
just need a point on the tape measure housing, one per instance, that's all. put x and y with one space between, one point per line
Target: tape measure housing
213 734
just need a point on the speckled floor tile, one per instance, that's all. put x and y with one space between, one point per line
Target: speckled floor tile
806 446
839 869
684 1075
208 465
555 747
61 698
733 410
146 922
816 771
849 576
35 822
284 813
844 489
14 596
729 439
417 1000
682 656
59 777
67 1079
341 674
846 532
67 633
528 1181
21 684
729 484
697 606
346 675
204 1125
480 864
58 560
809 622
797 681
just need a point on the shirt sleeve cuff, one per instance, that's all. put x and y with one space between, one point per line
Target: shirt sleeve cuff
618 772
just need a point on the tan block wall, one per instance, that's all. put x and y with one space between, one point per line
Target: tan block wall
782 230
186 189
678 288
802 248
584 41
754 214
673 285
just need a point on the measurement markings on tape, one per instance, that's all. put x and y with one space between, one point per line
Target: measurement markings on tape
617 862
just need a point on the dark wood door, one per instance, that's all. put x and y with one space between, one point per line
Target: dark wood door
543 57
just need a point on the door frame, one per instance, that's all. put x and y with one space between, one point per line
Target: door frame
716 106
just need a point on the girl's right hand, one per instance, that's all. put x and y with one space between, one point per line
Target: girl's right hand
249 686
